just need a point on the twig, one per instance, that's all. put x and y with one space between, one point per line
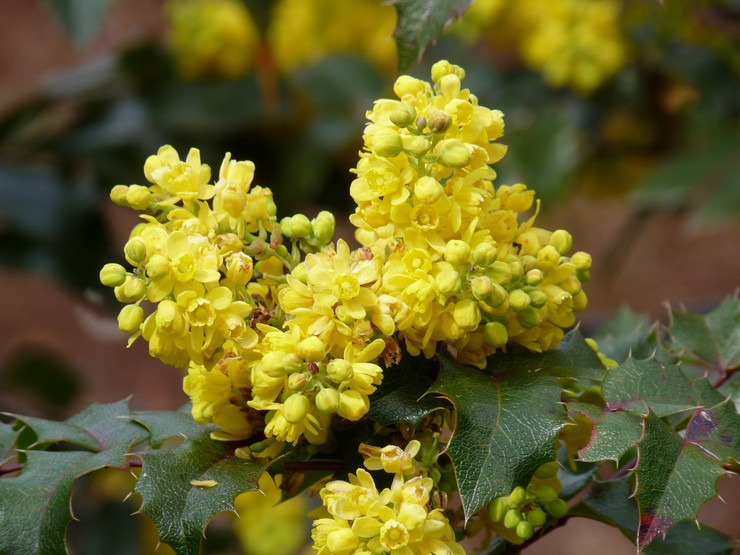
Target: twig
10 468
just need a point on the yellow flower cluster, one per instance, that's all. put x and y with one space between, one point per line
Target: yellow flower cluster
281 337
211 38
457 265
397 520
576 43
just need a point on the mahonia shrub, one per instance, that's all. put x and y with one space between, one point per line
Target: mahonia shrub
422 385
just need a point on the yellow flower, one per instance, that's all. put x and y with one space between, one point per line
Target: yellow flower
390 458
176 181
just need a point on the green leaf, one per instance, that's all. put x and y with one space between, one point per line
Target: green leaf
674 479
401 395
716 431
614 432
611 502
35 505
573 358
573 481
712 339
420 22
627 334
8 436
639 385
506 427
81 19
180 509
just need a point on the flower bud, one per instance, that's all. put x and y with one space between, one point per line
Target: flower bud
557 508
297 381
323 226
450 86
239 268
536 517
529 317
517 269
548 258
545 494
138 197
404 115
512 519
448 282
497 509
300 273
112 275
439 122
495 334
416 146
135 250
421 123
339 370
130 318
118 195
518 299
428 190
295 408
387 142
498 296
158 266
352 405
342 541
583 275
534 277
440 69
457 252
292 362
547 470
327 400
499 272
571 284
133 288
466 314
525 530
228 243
581 260
456 156
580 301
270 206
406 84
537 298
272 364
481 287
312 349
562 241
485 254
517 497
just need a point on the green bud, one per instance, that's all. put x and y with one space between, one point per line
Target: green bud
466 314
537 298
272 364
301 225
529 262
583 275
497 297
534 277
112 275
557 508
323 226
135 250
416 146
495 334
130 318
518 299
387 142
270 206
548 258
300 273
118 195
428 190
134 288
512 518
581 260
547 470
517 269
339 370
448 282
524 530
404 115
485 254
545 494
138 197
536 517
481 287
439 122
158 266
440 69
295 408
292 362
421 123
529 317
497 509
562 241
571 284
518 497
499 272
456 156
457 252
297 381
327 400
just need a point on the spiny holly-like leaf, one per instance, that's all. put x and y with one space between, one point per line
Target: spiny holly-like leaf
711 339
613 434
7 439
180 508
573 358
401 395
716 431
627 334
506 427
674 479
637 385
35 504
611 502
420 22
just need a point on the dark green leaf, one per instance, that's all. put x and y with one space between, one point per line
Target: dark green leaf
611 502
81 19
420 22
614 432
401 395
573 358
180 509
627 334
506 427
674 479
712 339
35 504
7 439
716 430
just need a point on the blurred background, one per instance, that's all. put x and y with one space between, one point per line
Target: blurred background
623 115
